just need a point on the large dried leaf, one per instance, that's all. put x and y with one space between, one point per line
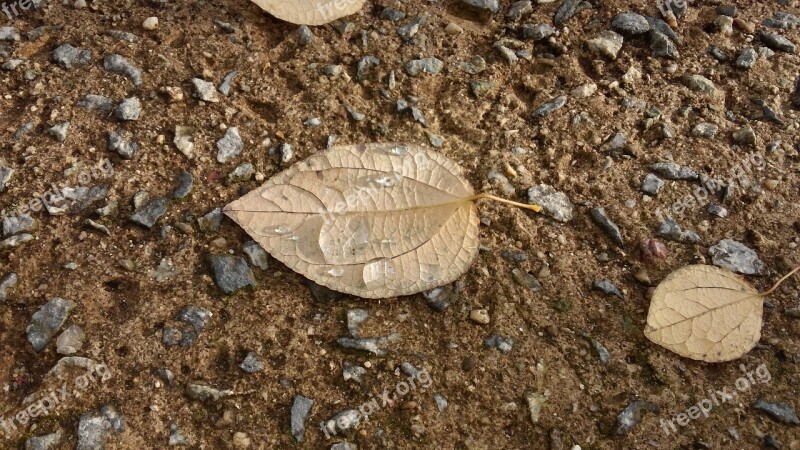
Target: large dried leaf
705 313
310 12
374 220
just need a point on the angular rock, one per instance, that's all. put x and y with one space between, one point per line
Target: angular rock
424 65
780 412
119 65
631 415
737 257
670 229
225 86
364 65
538 32
630 23
488 5
205 90
251 363
600 217
93 428
117 143
673 171
607 287
777 42
747 58
183 186
548 108
301 407
70 341
91 101
21 223
503 343
651 184
231 273
44 442
554 203
568 10
705 130
6 284
148 215
129 109
211 221
662 46
68 57
607 43
59 131
46 322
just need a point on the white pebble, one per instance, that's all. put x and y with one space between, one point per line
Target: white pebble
151 23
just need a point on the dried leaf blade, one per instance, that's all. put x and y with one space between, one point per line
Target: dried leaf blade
705 313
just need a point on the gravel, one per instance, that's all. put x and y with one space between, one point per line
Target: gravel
69 57
230 146
301 407
231 273
600 217
554 203
778 411
630 23
117 64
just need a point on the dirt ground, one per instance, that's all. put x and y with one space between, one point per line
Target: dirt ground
123 308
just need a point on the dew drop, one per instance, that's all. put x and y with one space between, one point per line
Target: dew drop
280 230
399 150
378 273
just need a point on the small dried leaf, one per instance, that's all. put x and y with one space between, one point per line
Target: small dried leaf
374 220
310 12
705 313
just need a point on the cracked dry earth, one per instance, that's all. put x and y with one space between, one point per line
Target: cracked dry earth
154 322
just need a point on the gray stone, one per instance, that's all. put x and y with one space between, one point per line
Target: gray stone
670 229
630 23
344 446
600 217
68 57
519 9
488 5
205 90
211 221
438 298
364 65
548 108
735 256
304 35
353 372
256 254
777 42
183 186
301 407
780 412
705 130
568 10
171 337
747 58
496 341
231 273
6 284
46 322
225 86
607 287
11 65
91 101
392 15
148 215
242 172
23 129
700 83
119 65
117 142
411 29
251 363
538 32
782 20
718 54
673 171
662 46
745 136
631 416
554 203
441 402
123 36
70 341
651 184
424 65
15 241
176 438
195 316
44 442
507 54
94 426
9 34
717 211
21 223
356 317
230 146
354 114
343 422
663 27
607 43
128 109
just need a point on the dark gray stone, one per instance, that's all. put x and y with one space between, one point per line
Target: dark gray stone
600 217
631 416
670 229
538 32
630 23
735 256
148 215
780 412
301 407
251 363
777 42
568 10
607 287
673 171
68 57
118 143
119 65
231 273
549 107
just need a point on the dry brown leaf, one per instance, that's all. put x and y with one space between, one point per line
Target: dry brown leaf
705 313
373 220
310 12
